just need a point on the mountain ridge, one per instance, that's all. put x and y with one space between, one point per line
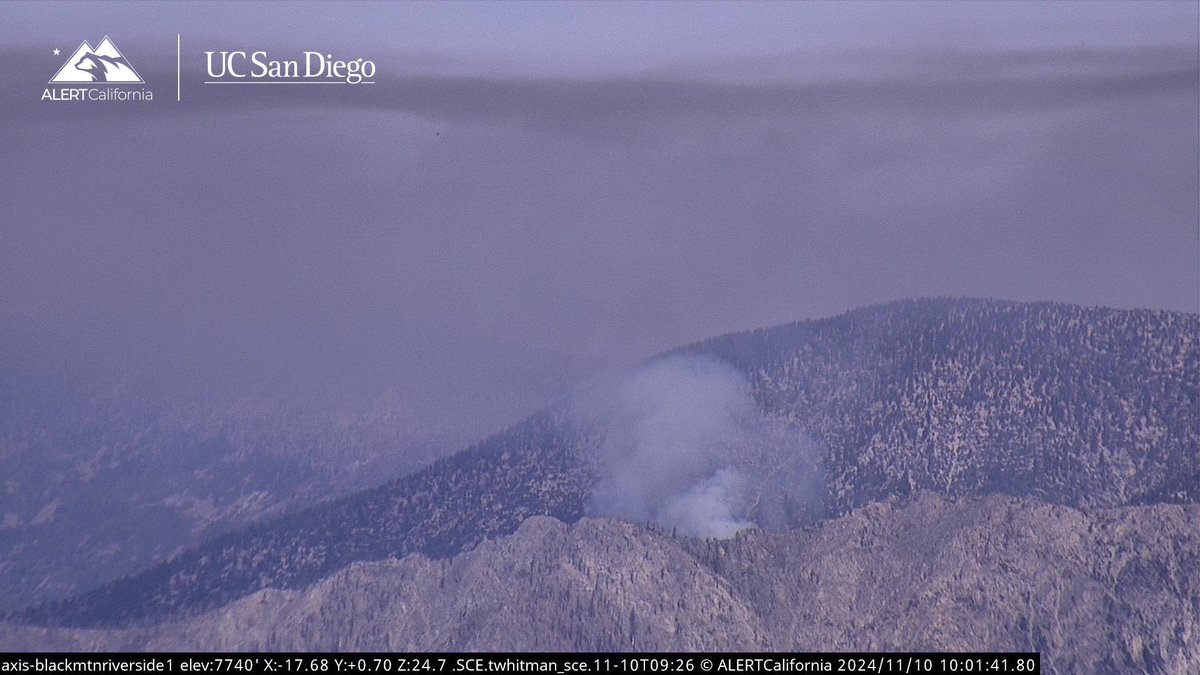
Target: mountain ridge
1075 406
925 572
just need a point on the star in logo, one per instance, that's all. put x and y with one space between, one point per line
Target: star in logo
56 51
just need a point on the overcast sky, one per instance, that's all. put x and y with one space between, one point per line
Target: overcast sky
620 36
535 187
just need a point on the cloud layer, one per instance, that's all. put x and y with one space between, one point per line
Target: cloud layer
451 231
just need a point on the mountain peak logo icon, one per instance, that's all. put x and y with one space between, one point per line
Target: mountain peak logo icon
105 63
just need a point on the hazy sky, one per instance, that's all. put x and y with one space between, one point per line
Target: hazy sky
535 187
624 36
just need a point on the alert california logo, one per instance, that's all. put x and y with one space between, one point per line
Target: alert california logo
97 74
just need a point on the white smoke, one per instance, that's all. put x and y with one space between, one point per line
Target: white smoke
685 446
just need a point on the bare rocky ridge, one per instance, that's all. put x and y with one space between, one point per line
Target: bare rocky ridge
1106 591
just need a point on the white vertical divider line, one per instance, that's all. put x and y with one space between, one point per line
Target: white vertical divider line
178 87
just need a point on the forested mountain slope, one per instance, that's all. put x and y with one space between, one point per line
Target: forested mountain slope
1074 406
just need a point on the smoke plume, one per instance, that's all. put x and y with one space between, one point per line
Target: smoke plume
684 445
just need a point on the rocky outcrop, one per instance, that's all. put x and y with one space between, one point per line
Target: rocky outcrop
1105 591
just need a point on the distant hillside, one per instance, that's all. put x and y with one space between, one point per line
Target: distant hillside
98 483
1110 591
1078 407
105 474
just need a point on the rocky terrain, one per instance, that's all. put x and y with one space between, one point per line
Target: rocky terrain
1102 591
1045 459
